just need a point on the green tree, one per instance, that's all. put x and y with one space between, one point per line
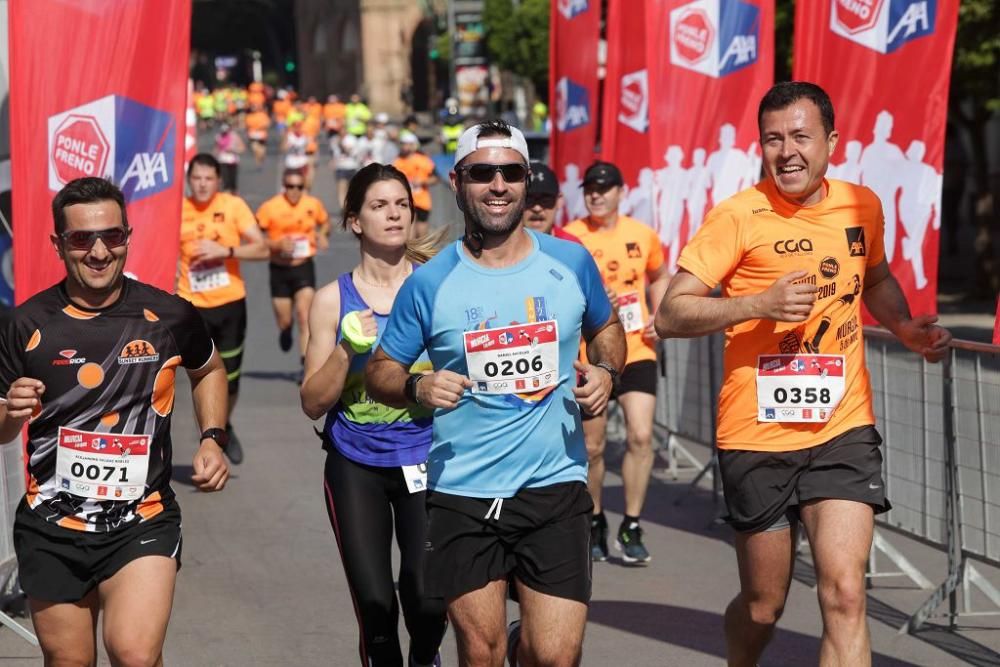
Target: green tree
517 39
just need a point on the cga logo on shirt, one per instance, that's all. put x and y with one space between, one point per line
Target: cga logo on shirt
572 105
570 9
883 25
116 138
714 37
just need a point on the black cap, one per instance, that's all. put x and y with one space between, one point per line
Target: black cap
543 180
603 174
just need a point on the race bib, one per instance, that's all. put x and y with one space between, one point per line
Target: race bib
416 477
516 359
208 277
799 387
630 312
102 466
302 249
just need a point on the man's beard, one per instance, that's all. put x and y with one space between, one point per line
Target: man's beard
487 225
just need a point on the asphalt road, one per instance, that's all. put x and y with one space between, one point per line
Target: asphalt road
262 582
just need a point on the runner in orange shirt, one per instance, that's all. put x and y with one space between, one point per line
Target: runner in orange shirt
631 261
334 112
217 231
257 123
796 256
419 170
297 225
281 108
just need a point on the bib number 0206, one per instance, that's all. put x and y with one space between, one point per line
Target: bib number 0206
796 395
93 472
510 367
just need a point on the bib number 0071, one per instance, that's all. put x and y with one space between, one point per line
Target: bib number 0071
93 472
510 368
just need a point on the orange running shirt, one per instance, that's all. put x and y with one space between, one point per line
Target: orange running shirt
222 220
257 123
281 109
625 254
279 219
749 241
417 167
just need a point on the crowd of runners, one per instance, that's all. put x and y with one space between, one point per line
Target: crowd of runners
463 385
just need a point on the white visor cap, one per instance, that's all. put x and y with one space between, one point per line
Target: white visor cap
470 142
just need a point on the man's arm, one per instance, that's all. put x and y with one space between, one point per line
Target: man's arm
23 398
210 391
385 380
253 245
604 346
887 304
687 310
658 281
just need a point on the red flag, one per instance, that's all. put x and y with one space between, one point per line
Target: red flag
575 29
625 113
98 88
707 76
891 126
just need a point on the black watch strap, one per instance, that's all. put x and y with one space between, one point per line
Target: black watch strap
410 390
612 371
218 434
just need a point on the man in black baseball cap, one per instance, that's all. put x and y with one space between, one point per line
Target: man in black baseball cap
602 175
544 202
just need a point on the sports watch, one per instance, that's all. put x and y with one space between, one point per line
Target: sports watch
612 371
218 434
410 389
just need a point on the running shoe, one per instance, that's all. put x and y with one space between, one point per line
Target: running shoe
513 639
234 450
630 544
598 538
285 339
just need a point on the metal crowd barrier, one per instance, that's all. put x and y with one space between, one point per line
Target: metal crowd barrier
941 427
11 491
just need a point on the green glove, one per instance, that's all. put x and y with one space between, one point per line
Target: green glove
352 332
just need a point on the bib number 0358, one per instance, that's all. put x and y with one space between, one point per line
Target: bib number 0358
799 387
797 395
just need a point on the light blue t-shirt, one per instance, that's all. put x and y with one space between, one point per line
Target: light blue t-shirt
492 445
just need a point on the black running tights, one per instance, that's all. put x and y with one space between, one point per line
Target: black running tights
363 503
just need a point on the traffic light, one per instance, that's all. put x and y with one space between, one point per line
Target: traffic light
434 54
289 66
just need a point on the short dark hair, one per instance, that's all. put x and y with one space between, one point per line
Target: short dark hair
205 160
290 171
783 95
87 190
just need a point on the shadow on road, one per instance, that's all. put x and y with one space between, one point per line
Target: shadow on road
703 631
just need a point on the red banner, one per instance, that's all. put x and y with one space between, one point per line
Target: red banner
98 88
625 111
891 125
707 75
573 37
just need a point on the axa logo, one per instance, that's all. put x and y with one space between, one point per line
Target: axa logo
793 247
856 241
117 138
714 37
138 352
883 25
572 105
570 9
634 104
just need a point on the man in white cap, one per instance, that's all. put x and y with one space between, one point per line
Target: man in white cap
500 313
419 170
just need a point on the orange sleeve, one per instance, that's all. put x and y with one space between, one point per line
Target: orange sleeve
243 215
655 259
323 217
876 246
262 216
716 249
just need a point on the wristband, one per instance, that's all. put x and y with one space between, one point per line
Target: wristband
350 329
410 389
612 371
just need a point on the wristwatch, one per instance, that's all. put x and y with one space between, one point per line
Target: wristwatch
218 434
612 371
410 389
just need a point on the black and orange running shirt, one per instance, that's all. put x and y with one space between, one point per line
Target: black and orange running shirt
99 448
792 385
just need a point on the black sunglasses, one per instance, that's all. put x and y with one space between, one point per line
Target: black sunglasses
294 186
543 200
84 240
482 172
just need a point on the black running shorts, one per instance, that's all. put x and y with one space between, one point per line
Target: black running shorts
638 376
541 536
287 280
57 564
763 488
227 325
